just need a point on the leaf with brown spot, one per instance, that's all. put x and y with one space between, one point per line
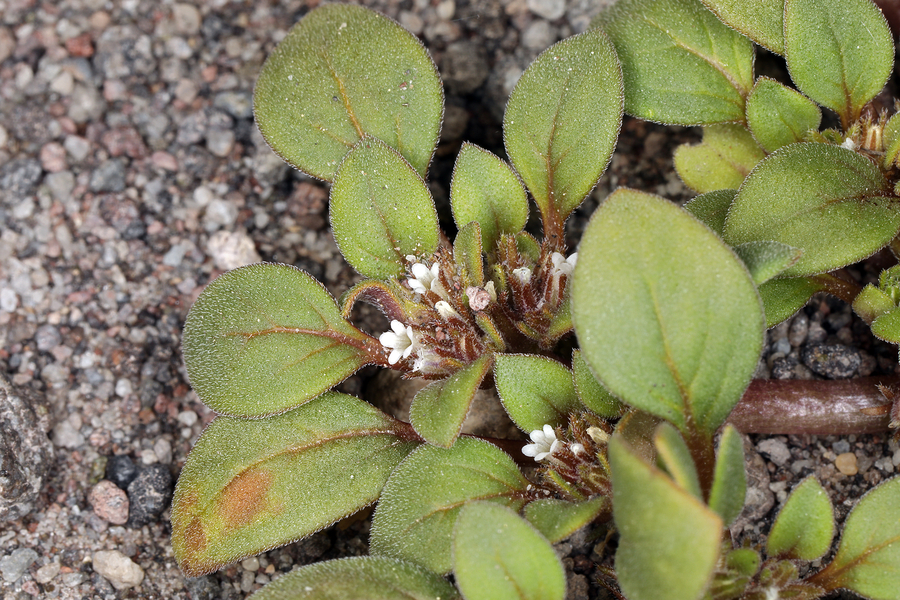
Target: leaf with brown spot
252 485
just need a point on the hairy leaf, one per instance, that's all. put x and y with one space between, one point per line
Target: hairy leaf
558 519
839 52
711 208
497 555
760 20
778 116
419 505
467 253
485 189
643 262
766 259
674 457
681 65
827 201
344 72
722 161
562 121
251 485
265 338
729 488
359 578
534 390
887 326
782 298
804 527
591 392
381 210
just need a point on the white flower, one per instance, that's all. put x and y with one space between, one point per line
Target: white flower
425 279
545 443
849 144
562 265
577 448
400 341
445 310
523 274
427 362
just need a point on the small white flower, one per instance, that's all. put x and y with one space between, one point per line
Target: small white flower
849 144
545 443
577 448
445 310
523 274
425 279
562 265
400 341
427 362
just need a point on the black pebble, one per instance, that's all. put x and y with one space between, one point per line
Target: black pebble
149 494
120 470
834 361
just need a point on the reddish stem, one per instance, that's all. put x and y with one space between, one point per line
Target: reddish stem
814 407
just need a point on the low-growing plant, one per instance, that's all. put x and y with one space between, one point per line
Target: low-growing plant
665 317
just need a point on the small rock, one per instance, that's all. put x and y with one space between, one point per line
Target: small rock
60 184
846 463
109 177
149 494
163 450
16 563
219 142
220 213
237 104
548 9
121 571
20 177
834 361
77 147
464 67
53 157
110 503
192 129
65 435
776 450
9 300
202 588
232 249
186 18
538 35
47 337
798 330
120 470
26 453
840 447
46 573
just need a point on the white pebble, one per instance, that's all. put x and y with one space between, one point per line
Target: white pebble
124 388
121 571
187 417
9 300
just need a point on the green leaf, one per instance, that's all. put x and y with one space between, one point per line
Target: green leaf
760 20
485 190
778 116
359 578
839 52
439 409
868 557
673 456
591 392
766 259
804 526
251 485
729 488
562 121
467 248
891 141
535 390
558 519
722 161
265 338
782 298
419 505
681 65
381 211
887 326
871 303
499 556
344 72
642 265
830 202
712 208
669 541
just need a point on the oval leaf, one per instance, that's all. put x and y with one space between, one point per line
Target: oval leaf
485 190
712 208
419 505
265 338
782 298
535 390
778 116
251 485
868 557
562 121
766 259
887 326
381 211
804 526
439 409
499 556
680 64
341 73
761 20
729 488
591 392
642 265
558 519
673 455
839 52
669 540
722 161
359 578
467 254
829 202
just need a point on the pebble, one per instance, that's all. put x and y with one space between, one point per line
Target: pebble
60 185
14 565
841 446
109 177
232 249
237 104
188 418
110 502
776 450
548 9
46 573
77 147
220 213
53 157
121 571
66 435
9 300
120 470
798 329
20 177
834 361
149 494
464 67
538 36
47 337
186 18
846 463
163 450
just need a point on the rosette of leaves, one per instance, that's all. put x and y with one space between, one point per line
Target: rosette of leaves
352 98
794 202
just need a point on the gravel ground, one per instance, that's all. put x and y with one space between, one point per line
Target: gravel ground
131 174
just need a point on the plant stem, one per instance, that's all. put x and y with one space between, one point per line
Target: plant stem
814 407
837 287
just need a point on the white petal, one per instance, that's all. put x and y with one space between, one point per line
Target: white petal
549 433
398 327
394 358
542 456
573 259
530 450
577 449
537 436
388 339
